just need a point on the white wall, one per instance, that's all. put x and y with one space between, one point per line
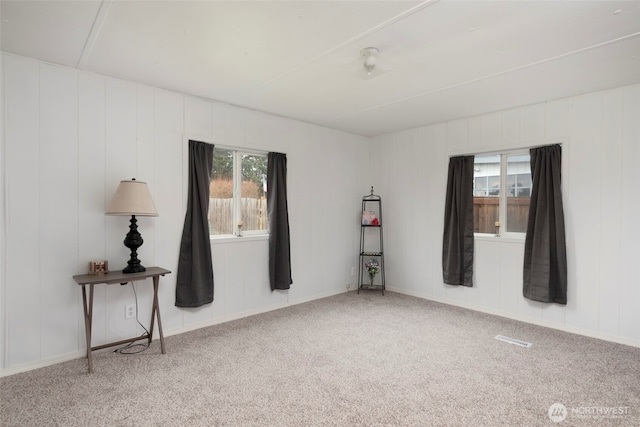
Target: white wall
70 136
600 133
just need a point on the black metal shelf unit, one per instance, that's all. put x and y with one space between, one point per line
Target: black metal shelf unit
371 262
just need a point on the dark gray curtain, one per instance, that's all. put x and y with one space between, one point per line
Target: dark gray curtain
457 242
545 255
279 245
195 270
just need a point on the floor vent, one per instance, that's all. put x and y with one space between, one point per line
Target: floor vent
513 341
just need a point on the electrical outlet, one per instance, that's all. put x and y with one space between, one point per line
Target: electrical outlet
353 271
129 311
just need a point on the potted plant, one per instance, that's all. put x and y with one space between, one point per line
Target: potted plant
372 267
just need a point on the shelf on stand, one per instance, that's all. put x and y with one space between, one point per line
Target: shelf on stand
371 249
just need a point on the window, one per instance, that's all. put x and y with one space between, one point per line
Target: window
238 187
495 210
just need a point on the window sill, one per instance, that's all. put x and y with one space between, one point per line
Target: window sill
216 240
498 239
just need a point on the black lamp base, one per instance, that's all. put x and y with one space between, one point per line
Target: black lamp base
132 268
133 241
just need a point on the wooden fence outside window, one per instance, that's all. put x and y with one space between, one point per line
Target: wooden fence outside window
254 215
485 214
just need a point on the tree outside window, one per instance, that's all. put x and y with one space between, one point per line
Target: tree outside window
238 193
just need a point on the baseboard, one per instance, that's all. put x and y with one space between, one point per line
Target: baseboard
247 313
42 363
167 333
526 319
320 296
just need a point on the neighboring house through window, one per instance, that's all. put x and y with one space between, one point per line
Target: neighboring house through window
497 211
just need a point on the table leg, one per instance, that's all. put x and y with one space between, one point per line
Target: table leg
155 312
88 316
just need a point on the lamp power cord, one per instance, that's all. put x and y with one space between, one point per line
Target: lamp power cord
132 347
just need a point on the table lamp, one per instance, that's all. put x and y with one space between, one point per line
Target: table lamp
132 198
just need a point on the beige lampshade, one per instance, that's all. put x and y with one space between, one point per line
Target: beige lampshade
132 198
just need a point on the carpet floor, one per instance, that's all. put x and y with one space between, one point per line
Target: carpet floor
346 360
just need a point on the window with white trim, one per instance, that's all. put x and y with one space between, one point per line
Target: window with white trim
496 211
238 193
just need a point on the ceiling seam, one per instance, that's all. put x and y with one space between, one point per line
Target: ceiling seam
453 86
101 17
352 40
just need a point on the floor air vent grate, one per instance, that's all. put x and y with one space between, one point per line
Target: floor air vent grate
514 341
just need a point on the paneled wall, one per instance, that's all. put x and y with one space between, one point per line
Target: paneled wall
600 133
71 136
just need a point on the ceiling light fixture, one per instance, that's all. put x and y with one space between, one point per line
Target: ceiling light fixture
370 55
369 65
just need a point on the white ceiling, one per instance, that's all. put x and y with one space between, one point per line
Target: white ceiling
301 59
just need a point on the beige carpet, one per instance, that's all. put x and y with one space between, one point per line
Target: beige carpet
348 360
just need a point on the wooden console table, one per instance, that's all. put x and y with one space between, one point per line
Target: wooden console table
110 279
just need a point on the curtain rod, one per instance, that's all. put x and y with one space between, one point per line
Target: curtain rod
506 150
244 149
